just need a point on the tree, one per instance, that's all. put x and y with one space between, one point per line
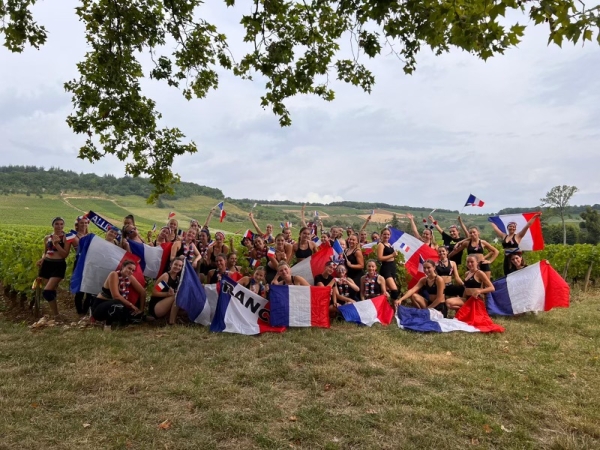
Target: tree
557 199
395 222
592 225
296 43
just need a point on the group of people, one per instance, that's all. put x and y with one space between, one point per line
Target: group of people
352 276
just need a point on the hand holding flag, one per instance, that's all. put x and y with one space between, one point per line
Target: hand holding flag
223 213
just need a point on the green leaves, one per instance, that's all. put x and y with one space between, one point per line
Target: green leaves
18 26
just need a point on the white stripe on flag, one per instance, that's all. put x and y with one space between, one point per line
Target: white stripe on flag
300 308
152 258
526 290
207 314
367 312
101 259
304 269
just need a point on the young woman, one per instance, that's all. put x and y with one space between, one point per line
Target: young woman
287 235
433 285
512 239
268 236
477 284
426 236
173 225
283 252
475 246
516 262
362 238
162 301
112 236
214 276
448 270
217 247
131 233
387 256
326 278
259 249
355 261
53 263
284 276
372 284
111 304
187 249
374 236
255 283
234 271
451 238
304 247
162 238
82 300
203 246
345 290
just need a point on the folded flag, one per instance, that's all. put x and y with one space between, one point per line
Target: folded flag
223 213
471 317
190 294
153 260
533 239
239 310
368 312
161 286
312 266
300 306
474 201
535 288
98 258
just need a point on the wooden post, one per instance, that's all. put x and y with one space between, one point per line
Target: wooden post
587 277
566 268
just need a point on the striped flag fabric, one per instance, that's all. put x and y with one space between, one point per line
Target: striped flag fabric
161 286
300 306
70 236
368 312
97 258
190 295
254 263
472 317
533 239
535 288
208 312
413 249
241 311
474 201
312 266
271 252
153 260
223 213
171 215
249 235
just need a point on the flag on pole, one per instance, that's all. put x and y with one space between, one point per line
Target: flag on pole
171 215
368 312
533 239
535 288
153 228
474 201
249 235
223 213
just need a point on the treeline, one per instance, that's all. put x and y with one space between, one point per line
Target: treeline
569 210
38 181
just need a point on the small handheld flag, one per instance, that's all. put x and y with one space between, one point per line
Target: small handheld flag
271 252
474 201
153 228
171 215
249 235
254 263
161 286
316 213
254 206
223 213
373 212
70 236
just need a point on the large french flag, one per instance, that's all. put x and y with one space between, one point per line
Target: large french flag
472 317
535 288
533 239
153 260
300 306
191 296
241 311
368 312
97 259
413 249
312 266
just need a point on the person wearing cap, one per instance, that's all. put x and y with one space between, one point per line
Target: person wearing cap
512 239
53 265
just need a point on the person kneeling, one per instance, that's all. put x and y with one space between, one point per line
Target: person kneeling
162 301
112 304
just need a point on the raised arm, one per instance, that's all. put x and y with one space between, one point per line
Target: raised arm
435 224
365 224
458 247
256 227
413 226
498 231
522 233
462 226
207 221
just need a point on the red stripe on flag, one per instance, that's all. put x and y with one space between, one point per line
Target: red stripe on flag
319 306
557 289
385 313
166 255
536 231
263 321
474 313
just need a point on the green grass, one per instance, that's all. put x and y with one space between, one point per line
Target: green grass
535 386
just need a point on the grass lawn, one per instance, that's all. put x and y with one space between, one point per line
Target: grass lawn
535 386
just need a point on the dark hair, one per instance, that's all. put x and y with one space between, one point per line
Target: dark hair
126 263
221 255
129 216
57 219
430 262
180 258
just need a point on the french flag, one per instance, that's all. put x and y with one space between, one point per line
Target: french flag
312 266
254 263
316 240
98 258
474 201
241 311
271 252
153 260
368 312
190 296
413 249
70 236
300 306
223 213
472 317
249 235
420 274
533 239
535 288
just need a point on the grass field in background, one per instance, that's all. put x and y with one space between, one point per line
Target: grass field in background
349 387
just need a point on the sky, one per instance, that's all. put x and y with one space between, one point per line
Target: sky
506 130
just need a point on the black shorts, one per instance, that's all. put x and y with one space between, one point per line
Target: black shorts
152 305
53 268
388 270
452 290
484 267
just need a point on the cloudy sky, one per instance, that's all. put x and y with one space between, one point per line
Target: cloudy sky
506 130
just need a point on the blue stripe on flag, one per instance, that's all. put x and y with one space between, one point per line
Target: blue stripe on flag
280 306
417 319
498 222
350 313
498 302
395 234
77 275
218 323
138 250
191 296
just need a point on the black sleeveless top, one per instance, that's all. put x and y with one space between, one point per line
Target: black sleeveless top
431 290
443 271
472 250
372 287
303 254
472 283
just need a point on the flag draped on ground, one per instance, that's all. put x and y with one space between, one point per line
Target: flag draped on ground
240 310
368 312
153 260
312 266
300 306
97 258
191 296
533 239
535 288
472 317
